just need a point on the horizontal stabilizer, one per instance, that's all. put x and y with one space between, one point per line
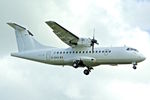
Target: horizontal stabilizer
19 28
16 26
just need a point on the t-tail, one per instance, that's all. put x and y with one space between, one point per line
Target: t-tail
28 47
25 40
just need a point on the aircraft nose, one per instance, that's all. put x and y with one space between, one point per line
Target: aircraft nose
142 57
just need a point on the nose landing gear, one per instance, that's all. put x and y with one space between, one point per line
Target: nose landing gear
134 65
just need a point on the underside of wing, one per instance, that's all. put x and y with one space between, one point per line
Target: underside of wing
63 33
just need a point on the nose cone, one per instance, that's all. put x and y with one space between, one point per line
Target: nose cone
142 57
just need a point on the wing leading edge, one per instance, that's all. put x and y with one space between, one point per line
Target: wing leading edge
66 36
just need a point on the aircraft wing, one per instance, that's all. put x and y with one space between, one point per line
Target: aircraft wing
63 33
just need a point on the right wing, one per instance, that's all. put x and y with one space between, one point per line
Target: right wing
63 33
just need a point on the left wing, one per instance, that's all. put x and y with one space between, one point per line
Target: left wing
63 33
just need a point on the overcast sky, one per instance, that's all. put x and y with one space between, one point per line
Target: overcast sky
116 23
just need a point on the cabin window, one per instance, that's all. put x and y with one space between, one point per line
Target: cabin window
64 52
67 52
89 51
73 52
96 51
79 51
99 51
86 51
109 51
60 52
70 52
82 51
57 52
102 51
76 51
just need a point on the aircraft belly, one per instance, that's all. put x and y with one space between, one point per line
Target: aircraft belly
114 61
55 61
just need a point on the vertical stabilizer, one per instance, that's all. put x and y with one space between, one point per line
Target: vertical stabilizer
25 40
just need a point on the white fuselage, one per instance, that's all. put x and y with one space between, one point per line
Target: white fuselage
102 55
80 54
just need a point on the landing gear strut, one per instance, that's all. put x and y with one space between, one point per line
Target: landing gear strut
134 65
87 71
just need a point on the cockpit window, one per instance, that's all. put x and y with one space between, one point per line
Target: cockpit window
132 49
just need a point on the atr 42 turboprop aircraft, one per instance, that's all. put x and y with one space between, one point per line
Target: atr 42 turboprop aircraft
81 52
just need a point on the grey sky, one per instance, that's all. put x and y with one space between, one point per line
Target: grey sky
117 23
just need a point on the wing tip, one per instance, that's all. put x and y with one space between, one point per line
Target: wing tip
50 22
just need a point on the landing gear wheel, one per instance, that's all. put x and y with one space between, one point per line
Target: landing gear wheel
75 65
86 72
134 67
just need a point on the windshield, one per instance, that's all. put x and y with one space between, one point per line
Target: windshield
132 49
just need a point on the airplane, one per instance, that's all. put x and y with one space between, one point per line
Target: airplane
80 53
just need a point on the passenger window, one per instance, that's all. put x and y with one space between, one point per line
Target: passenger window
83 52
86 51
79 51
89 51
73 52
99 51
76 51
102 51
60 52
70 52
57 52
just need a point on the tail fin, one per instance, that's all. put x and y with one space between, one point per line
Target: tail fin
25 40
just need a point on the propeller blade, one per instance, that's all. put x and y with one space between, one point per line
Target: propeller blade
93 41
97 43
92 48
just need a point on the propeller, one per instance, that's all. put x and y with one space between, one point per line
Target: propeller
93 41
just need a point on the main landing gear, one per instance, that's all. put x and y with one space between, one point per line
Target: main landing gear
87 71
78 63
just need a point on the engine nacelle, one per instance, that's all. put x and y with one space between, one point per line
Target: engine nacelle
85 42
